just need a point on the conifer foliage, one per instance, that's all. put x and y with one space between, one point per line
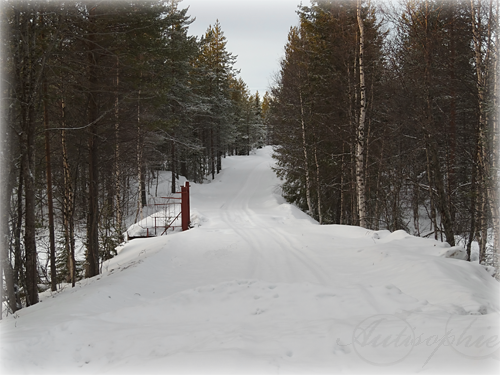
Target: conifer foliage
99 97
315 110
393 130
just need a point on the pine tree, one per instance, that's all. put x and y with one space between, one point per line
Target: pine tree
217 66
315 111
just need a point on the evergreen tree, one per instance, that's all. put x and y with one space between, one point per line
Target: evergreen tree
216 66
315 110
109 92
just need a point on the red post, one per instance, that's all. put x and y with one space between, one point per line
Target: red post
185 210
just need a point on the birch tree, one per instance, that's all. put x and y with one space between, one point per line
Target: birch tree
484 32
360 131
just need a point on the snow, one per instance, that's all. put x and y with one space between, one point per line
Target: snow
257 286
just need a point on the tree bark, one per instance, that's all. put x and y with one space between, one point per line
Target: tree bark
173 166
306 161
50 203
487 154
212 151
29 205
360 138
68 203
318 186
118 190
140 183
6 271
92 258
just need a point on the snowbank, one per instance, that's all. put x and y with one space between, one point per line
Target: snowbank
256 286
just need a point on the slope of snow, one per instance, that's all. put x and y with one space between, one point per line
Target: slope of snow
257 286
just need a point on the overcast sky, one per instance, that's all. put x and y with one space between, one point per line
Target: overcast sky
256 32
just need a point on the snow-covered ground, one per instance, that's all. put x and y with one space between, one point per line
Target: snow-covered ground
259 287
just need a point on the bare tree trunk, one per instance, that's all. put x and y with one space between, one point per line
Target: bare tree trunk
30 221
6 271
8 276
25 25
212 151
118 189
472 209
342 190
416 213
173 166
482 231
50 203
219 150
453 115
48 170
318 186
431 197
304 151
6 188
443 197
354 220
92 258
360 133
379 172
18 259
496 154
68 203
140 183
487 157
93 207
480 83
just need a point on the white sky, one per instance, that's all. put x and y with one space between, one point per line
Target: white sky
256 32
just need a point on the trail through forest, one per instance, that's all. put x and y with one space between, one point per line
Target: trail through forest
257 286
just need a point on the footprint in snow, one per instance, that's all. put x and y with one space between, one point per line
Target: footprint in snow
258 312
340 347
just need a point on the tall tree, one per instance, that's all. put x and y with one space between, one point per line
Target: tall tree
218 68
483 21
328 92
360 133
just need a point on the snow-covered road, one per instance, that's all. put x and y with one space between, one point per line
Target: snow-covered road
259 287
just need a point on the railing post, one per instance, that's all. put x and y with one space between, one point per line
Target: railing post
185 209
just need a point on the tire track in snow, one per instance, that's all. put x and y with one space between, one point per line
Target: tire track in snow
292 248
238 215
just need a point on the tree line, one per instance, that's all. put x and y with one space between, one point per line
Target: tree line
387 119
98 97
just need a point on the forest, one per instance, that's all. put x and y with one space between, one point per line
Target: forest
387 119
99 97
382 118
